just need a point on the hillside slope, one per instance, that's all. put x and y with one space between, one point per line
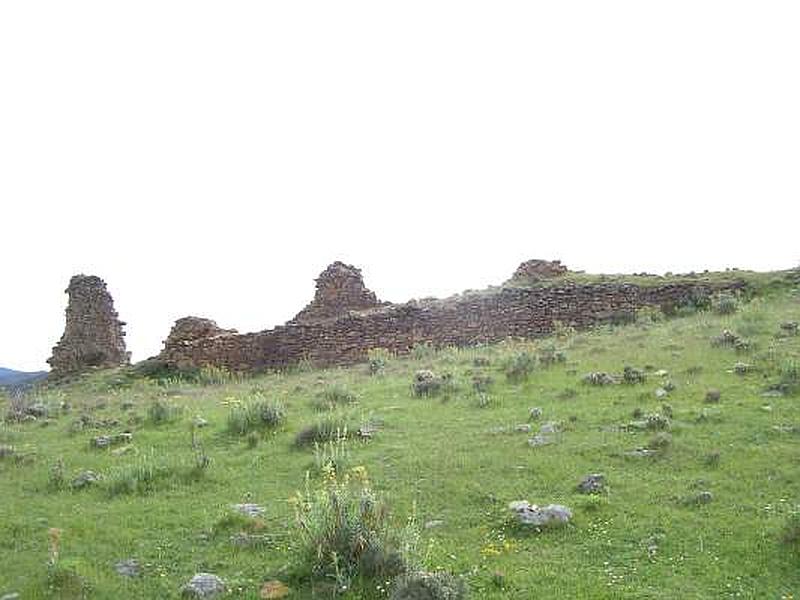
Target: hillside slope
12 378
698 450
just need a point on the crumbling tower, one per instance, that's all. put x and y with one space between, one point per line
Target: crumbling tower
340 289
93 335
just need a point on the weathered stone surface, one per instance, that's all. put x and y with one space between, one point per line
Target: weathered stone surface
344 321
128 568
592 484
340 289
85 479
93 336
204 585
545 516
249 509
538 270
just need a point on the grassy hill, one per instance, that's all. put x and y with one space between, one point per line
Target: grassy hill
701 489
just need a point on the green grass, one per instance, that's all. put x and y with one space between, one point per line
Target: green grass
442 458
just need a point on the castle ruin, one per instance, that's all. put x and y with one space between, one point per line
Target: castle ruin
93 335
345 320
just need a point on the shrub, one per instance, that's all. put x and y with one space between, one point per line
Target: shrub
331 456
598 378
57 479
429 586
213 375
789 382
148 473
424 351
485 401
161 411
427 383
334 396
482 383
656 422
649 314
660 442
725 303
343 531
633 375
324 430
791 530
64 581
520 366
377 360
255 415
550 355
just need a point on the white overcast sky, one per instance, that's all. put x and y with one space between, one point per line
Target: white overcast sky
211 158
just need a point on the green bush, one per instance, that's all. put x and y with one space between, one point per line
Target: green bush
256 414
161 411
326 429
429 586
378 358
335 396
343 531
791 530
331 455
550 355
725 303
520 366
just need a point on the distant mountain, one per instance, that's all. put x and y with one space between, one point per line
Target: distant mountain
11 378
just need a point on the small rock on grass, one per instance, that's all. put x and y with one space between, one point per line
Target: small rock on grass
249 509
204 585
128 568
85 479
592 484
546 516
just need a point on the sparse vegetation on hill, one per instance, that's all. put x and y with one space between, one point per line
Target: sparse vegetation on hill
671 472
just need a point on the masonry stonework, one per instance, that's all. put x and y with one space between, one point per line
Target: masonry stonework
93 335
333 331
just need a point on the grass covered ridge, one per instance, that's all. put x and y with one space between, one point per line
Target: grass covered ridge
701 498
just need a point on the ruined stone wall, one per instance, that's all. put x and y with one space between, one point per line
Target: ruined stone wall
466 320
340 289
93 335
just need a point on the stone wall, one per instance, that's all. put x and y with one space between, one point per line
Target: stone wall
340 289
474 318
93 336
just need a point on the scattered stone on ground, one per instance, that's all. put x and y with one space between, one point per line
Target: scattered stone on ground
599 378
433 523
249 509
200 422
661 393
128 567
546 516
641 452
549 427
204 585
535 413
541 440
713 396
106 441
742 368
85 479
633 375
592 484
523 428
791 327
